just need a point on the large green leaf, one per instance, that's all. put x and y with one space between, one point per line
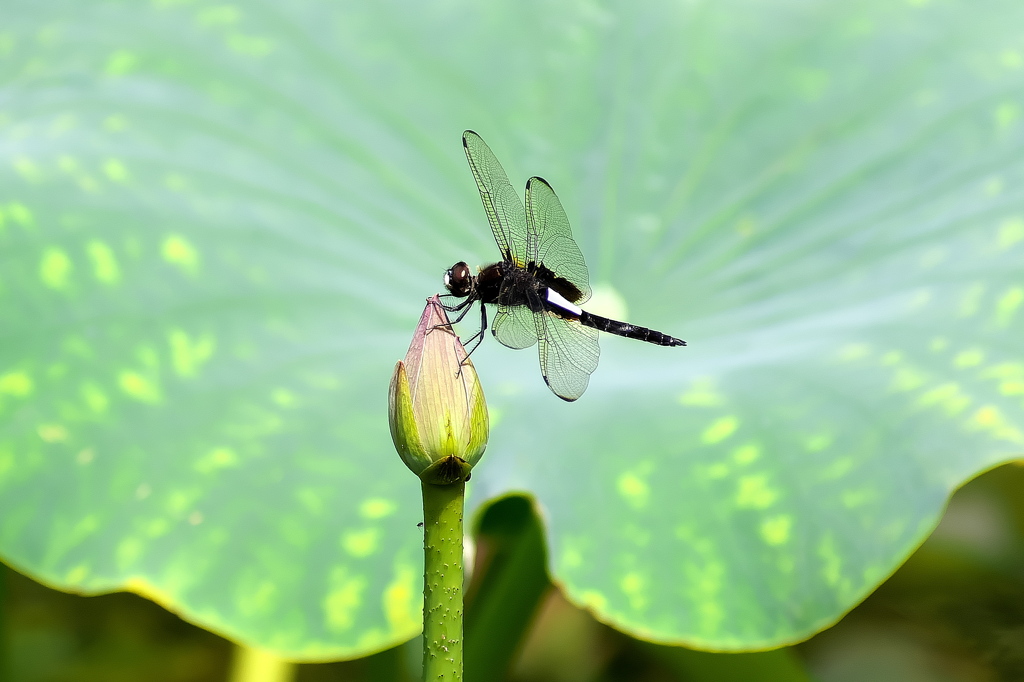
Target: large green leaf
220 222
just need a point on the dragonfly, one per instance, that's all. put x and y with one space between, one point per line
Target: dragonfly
539 283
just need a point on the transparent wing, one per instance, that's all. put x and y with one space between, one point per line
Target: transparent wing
549 240
514 326
568 354
502 204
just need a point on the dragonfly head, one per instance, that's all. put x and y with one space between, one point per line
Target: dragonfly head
458 281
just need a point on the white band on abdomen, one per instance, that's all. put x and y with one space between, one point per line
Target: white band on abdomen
558 300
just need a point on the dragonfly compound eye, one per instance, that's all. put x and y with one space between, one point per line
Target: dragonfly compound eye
457 280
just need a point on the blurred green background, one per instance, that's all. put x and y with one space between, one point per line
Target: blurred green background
218 223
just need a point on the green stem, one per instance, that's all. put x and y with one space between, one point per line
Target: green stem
442 581
256 665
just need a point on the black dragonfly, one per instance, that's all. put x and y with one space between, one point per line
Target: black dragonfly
539 282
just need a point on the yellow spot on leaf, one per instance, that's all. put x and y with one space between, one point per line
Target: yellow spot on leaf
702 393
989 418
1012 387
704 577
20 214
633 585
104 264
177 251
1011 59
711 615
830 560
947 396
775 530
6 461
839 467
853 351
128 552
27 169
969 358
745 226
633 489
312 499
181 499
994 187
343 599
1006 115
16 384
1005 370
811 83
62 124
361 543
138 386
719 430
88 183
403 600
94 397
115 170
176 182
188 353
938 344
908 379
893 357
55 268
594 599
256 597
77 575
818 442
215 460
85 526
746 454
1007 305
68 164
52 433
858 498
120 63
571 557
377 508
115 123
717 471
754 492
1011 232
250 46
283 397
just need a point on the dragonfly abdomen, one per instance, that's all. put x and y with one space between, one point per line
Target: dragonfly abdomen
630 331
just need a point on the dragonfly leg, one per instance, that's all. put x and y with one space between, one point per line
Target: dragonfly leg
463 309
477 338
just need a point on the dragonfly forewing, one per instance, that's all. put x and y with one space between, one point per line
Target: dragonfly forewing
504 209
